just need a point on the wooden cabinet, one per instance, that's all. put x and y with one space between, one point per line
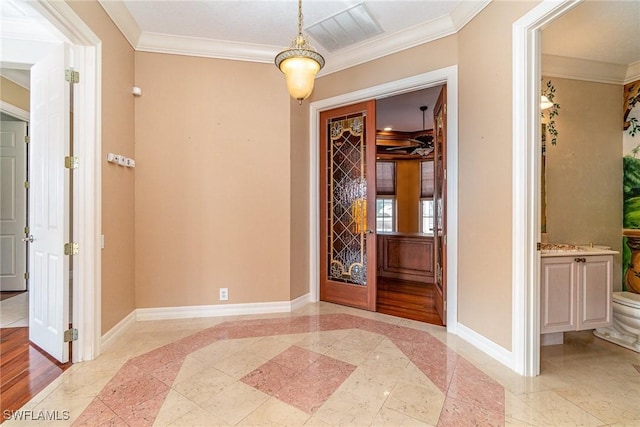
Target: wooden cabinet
575 292
406 256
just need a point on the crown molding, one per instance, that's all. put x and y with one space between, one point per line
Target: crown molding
366 51
123 19
195 46
633 72
584 69
466 11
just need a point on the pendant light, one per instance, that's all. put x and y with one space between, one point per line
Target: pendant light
545 103
300 64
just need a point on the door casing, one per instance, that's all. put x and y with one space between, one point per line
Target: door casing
448 76
86 301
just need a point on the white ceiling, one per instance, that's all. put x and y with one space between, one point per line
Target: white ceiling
604 31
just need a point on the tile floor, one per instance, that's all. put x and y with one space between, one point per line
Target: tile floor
328 365
14 311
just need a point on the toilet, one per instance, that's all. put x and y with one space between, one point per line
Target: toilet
625 328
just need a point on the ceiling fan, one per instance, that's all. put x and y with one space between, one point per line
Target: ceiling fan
421 144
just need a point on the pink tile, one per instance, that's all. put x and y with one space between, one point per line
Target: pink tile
168 372
197 341
97 414
296 358
300 377
313 386
159 357
143 414
130 387
471 385
433 358
270 377
461 414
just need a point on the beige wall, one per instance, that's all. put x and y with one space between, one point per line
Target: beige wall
408 195
212 181
14 94
117 182
299 199
484 198
584 168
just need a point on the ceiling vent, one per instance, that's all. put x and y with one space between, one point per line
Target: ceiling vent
345 28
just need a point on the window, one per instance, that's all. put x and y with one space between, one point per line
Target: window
426 197
385 214
386 191
426 216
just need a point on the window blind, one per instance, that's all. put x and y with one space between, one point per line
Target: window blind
386 178
426 179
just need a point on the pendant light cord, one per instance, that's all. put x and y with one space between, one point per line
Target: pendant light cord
299 18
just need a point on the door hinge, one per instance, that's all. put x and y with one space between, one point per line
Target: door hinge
538 246
71 248
26 184
71 335
445 108
26 139
72 76
26 276
71 162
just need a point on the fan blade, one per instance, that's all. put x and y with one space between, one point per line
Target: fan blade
406 147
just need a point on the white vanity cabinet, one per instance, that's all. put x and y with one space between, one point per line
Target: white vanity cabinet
575 292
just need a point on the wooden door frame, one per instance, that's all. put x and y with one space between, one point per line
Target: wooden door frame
448 76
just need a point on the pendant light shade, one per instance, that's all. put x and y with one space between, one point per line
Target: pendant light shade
300 64
545 103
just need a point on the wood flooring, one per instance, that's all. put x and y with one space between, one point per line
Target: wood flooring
24 369
408 300
8 294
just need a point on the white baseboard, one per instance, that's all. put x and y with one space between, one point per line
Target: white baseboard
499 353
117 330
301 301
193 311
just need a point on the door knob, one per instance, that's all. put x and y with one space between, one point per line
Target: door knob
28 239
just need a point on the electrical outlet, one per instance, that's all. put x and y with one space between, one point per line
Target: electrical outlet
224 294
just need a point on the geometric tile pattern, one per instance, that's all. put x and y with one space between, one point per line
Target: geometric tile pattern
135 395
302 378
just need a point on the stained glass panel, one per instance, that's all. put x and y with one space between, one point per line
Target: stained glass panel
348 200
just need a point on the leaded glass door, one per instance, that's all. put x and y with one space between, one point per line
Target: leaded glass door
347 206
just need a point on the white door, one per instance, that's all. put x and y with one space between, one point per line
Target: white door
49 204
13 214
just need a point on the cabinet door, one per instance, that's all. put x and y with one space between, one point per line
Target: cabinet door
558 295
594 292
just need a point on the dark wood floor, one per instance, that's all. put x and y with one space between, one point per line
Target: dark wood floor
24 369
8 294
407 299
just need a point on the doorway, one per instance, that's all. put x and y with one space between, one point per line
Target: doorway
410 205
85 301
444 76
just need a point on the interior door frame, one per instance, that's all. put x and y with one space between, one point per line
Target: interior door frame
87 191
527 59
448 76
